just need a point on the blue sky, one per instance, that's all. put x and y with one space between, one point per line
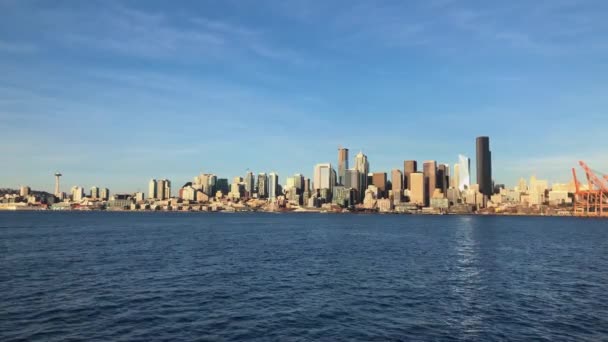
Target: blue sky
114 93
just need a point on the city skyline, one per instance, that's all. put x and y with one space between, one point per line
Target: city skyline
111 93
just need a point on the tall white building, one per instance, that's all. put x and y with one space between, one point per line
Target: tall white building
104 194
324 177
273 185
77 193
152 189
464 172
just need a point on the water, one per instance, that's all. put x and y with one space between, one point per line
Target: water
298 277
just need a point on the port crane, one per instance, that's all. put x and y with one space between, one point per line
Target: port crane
591 201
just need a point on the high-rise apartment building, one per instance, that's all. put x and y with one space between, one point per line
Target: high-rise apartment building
342 164
77 193
273 185
152 189
409 166
397 184
104 194
262 185
484 166
94 192
429 170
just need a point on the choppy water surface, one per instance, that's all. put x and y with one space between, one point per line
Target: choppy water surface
148 277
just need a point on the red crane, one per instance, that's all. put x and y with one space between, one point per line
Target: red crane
592 201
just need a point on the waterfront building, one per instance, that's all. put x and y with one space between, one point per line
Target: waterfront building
384 205
397 180
409 166
484 166
152 189
342 164
262 185
273 185
429 169
417 190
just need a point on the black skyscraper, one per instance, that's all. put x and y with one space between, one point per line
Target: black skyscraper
484 166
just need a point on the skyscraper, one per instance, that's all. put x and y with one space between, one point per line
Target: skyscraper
443 178
409 166
353 180
484 166
273 185
379 181
429 170
152 190
324 177
249 184
417 188
160 189
299 183
167 191
455 179
464 172
262 185
397 184
77 193
342 164
104 194
362 165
